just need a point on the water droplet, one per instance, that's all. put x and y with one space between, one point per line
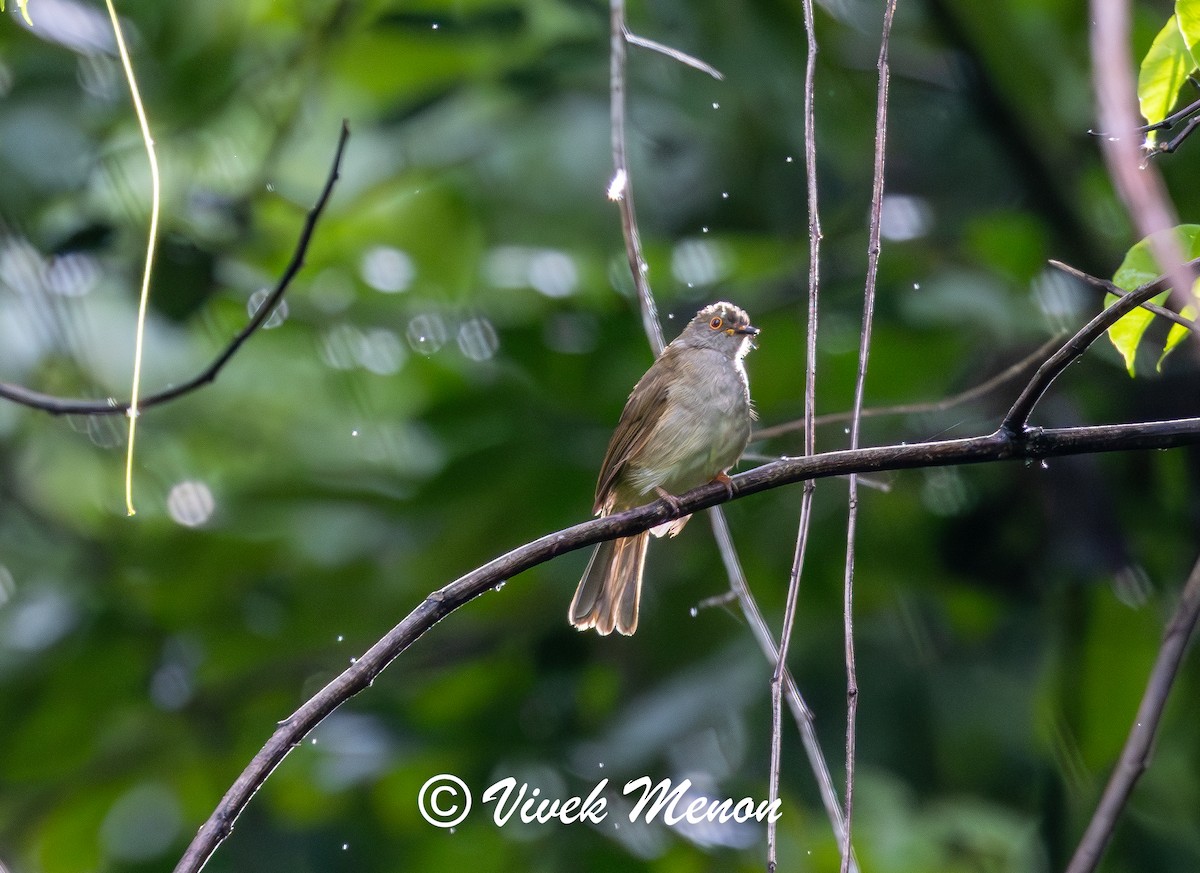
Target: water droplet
346 846
693 612
190 503
436 25
387 269
427 333
257 300
354 432
477 339
1045 465
716 105
340 638
704 229
499 585
788 159
916 286
724 195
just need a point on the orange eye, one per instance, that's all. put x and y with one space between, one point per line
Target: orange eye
716 322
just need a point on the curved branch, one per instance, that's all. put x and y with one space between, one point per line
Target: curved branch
1018 416
61 406
1031 444
1135 755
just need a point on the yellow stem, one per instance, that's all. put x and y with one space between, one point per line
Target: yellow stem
155 193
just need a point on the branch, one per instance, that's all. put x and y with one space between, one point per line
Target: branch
621 190
780 673
674 54
1110 288
1135 755
864 353
1018 416
60 406
621 187
801 712
1032 444
1007 374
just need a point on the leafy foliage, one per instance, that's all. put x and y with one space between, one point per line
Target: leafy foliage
441 388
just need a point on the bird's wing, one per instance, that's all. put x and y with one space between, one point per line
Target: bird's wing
640 418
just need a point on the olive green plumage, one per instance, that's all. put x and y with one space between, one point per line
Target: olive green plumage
687 421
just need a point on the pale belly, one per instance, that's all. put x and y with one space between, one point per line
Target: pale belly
703 433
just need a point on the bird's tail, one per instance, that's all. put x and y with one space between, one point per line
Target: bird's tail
608 594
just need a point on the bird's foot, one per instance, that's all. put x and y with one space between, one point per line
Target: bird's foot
670 499
724 479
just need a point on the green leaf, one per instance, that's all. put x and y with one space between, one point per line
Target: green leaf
1164 70
1187 13
1176 335
1138 268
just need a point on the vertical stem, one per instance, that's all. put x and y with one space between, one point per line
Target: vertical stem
621 187
864 353
810 389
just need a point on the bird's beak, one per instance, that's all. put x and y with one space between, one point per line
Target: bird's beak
746 330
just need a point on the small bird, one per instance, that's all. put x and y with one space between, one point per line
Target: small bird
687 421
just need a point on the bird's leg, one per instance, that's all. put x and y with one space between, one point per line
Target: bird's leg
668 498
724 479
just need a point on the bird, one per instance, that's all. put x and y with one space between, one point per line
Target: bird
686 423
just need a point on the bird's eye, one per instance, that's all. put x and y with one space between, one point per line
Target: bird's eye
716 322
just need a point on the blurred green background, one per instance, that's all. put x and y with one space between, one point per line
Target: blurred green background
441 388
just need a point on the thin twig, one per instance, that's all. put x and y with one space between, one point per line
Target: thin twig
1109 288
810 431
61 406
1034 445
673 53
975 391
864 354
796 703
621 187
1018 416
1135 754
1139 185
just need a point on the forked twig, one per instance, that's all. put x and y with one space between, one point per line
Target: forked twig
61 406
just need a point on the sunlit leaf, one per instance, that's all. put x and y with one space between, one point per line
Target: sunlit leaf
1138 268
1164 71
1187 14
1177 335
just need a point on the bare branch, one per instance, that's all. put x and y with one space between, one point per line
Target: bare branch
810 432
674 54
1109 288
796 703
621 187
985 387
1018 416
61 406
864 353
1135 755
621 190
1034 444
